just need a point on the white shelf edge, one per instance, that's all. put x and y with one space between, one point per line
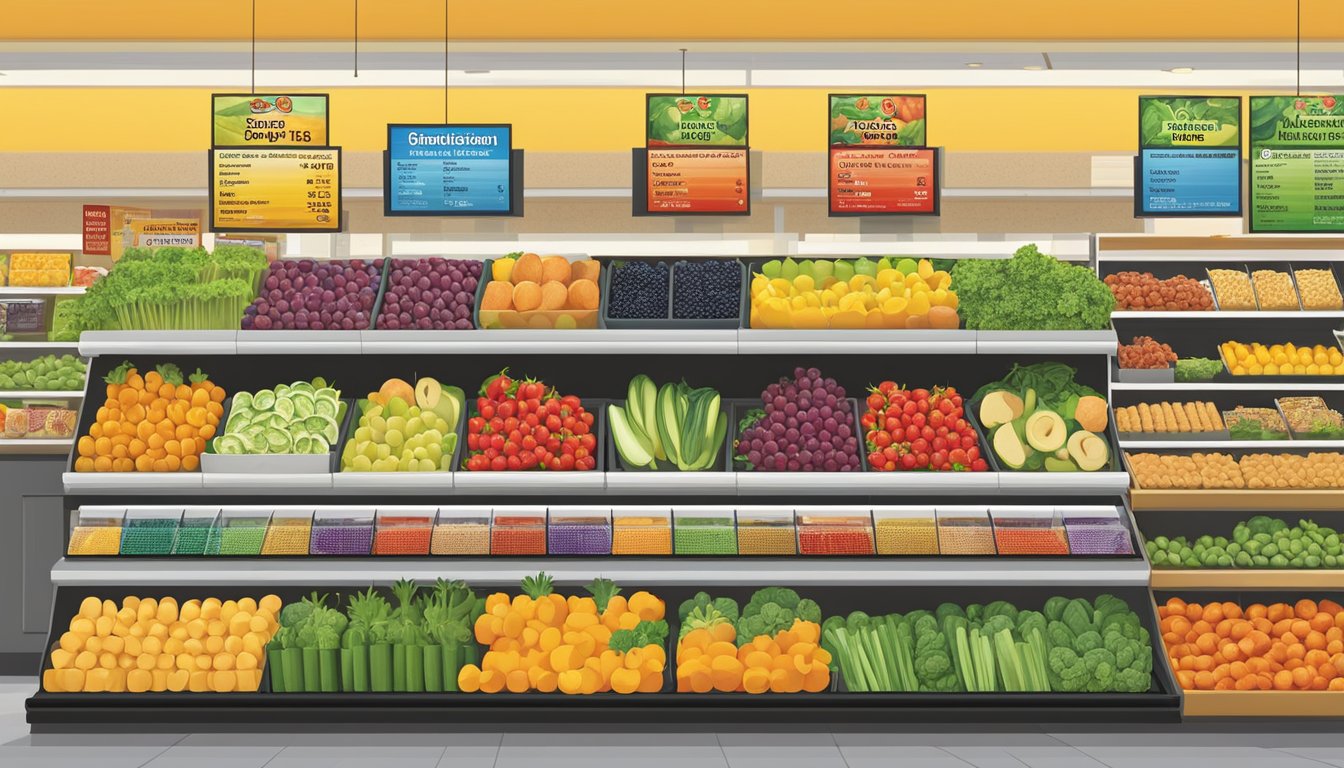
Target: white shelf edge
801 570
1227 315
1295 386
36 446
1233 255
43 394
34 290
1242 445
38 345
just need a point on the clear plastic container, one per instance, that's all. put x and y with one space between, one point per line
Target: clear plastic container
906 530
1096 530
96 531
289 532
579 531
403 530
766 531
150 530
641 530
193 533
704 531
345 531
834 531
518 530
240 531
964 530
1028 530
461 531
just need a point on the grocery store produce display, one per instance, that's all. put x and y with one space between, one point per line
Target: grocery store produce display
1260 542
919 429
157 645
1276 647
531 291
1031 291
858 293
46 372
1256 359
42 270
523 425
1145 352
1040 419
405 429
157 422
1197 369
1260 471
706 289
166 288
1141 291
306 294
1198 417
639 290
771 644
1310 418
804 424
673 426
429 295
1069 645
1255 424
303 417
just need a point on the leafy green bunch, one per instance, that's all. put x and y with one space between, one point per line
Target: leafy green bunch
773 610
1097 647
1031 291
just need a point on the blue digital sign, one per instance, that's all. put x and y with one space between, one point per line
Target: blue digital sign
438 170
1189 181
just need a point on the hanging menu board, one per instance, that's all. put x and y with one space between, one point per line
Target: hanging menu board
1189 161
269 120
449 170
275 190
696 158
1297 164
879 162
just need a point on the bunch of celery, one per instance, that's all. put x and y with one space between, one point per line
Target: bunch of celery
166 289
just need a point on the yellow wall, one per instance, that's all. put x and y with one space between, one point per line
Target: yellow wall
565 119
763 20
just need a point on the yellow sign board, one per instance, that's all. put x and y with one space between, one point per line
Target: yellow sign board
275 190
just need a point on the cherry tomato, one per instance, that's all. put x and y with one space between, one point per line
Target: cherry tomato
936 419
920 394
908 461
922 460
881 439
928 433
958 456
892 424
507 409
911 408
946 406
920 446
868 420
487 411
973 453
979 465
475 424
919 420
923 406
938 458
939 444
473 441
499 464
877 460
876 402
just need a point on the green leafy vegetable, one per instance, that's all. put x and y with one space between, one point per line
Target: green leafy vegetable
1031 291
1197 369
644 633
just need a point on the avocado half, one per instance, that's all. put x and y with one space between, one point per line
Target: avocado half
1009 447
999 407
1089 451
1046 431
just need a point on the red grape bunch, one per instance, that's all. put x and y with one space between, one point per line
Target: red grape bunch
315 295
430 295
806 425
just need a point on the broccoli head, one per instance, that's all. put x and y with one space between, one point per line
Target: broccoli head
975 612
1100 666
724 606
1131 680
772 610
702 617
1087 641
1058 635
1066 670
808 610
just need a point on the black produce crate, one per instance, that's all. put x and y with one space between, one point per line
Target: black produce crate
594 405
670 322
739 408
487 278
1113 464
617 463
356 411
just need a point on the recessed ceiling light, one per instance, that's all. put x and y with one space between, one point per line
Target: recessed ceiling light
974 64
1034 67
1181 70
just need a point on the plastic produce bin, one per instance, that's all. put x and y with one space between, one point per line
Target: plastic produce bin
403 530
150 530
518 531
239 531
834 531
1035 531
461 531
96 531
1096 531
704 531
965 530
906 530
193 533
578 531
766 531
347 532
289 532
642 530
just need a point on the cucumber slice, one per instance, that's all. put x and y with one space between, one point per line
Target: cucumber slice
303 444
276 421
325 407
319 445
281 390
303 386
230 445
304 405
277 441
321 425
327 393
242 400
264 400
284 406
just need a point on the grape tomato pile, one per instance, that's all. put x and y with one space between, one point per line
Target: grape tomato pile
920 429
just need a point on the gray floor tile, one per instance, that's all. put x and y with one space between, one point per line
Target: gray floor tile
1328 755
626 739
1215 735
351 756
571 750
63 757
886 756
1195 756
771 750
944 736
239 754
1046 757
471 753
990 757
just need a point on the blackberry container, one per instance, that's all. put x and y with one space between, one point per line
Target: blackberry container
609 277
670 322
342 531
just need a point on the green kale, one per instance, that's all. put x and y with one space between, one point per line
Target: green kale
644 633
1031 291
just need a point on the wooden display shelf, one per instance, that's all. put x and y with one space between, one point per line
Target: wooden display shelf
1247 578
1235 500
1312 704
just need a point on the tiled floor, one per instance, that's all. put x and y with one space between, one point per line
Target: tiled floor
1222 746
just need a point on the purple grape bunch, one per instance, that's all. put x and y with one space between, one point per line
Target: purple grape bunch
808 426
315 295
430 295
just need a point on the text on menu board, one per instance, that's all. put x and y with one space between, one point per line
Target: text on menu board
696 121
877 120
269 120
892 180
1297 163
684 180
277 190
448 169
1189 161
